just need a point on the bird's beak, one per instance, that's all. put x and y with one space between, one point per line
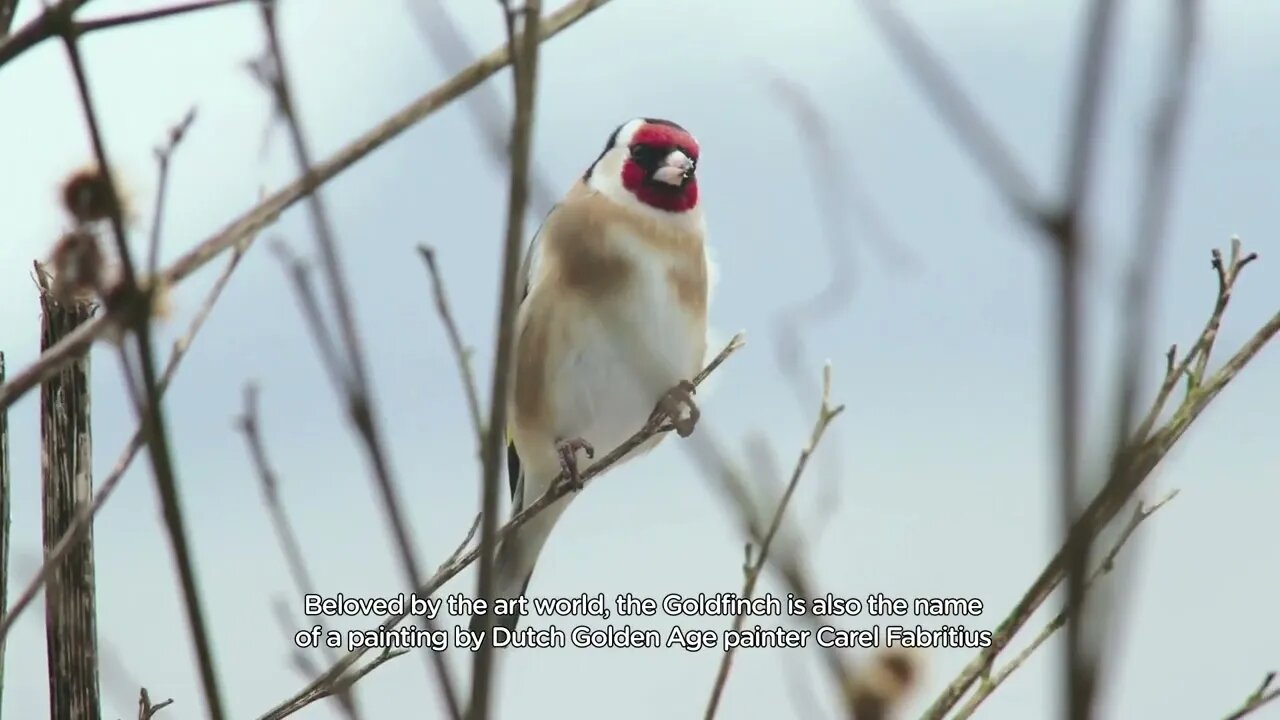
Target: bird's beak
675 170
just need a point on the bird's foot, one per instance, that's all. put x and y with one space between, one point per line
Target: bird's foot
677 406
568 452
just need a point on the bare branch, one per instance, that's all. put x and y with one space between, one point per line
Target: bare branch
245 228
285 534
989 684
50 23
161 13
1065 229
353 385
524 53
1147 453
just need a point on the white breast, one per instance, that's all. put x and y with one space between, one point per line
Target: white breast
628 351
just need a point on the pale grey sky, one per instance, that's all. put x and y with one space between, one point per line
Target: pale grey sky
944 476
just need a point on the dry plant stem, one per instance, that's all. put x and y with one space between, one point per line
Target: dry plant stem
1257 699
1107 503
164 154
485 105
285 534
1063 228
961 115
524 53
355 388
5 518
826 414
989 684
84 518
1066 232
837 198
246 227
146 710
300 273
324 684
136 305
67 484
461 353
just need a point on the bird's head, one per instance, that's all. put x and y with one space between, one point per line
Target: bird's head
651 162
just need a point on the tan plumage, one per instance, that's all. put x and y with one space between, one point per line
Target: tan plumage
614 316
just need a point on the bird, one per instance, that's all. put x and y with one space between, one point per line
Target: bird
610 330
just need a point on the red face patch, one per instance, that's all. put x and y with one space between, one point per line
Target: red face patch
638 178
665 136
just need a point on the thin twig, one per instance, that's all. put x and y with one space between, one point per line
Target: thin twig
461 353
559 488
6 516
146 710
285 534
87 26
48 23
989 684
962 116
1257 699
826 413
164 154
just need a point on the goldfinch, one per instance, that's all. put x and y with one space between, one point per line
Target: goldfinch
613 323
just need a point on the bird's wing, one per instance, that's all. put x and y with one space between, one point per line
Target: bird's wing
527 269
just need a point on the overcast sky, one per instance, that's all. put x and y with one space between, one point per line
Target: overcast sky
936 482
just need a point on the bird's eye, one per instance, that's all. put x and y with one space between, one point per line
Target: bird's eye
645 154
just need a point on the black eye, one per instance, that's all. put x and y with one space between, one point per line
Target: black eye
646 155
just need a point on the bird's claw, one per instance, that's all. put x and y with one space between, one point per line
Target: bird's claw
673 402
568 452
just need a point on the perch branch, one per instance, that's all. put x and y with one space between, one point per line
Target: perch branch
560 487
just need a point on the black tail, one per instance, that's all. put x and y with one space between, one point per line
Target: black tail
514 476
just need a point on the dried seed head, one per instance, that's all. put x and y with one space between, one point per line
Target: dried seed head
885 680
161 302
86 196
78 266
